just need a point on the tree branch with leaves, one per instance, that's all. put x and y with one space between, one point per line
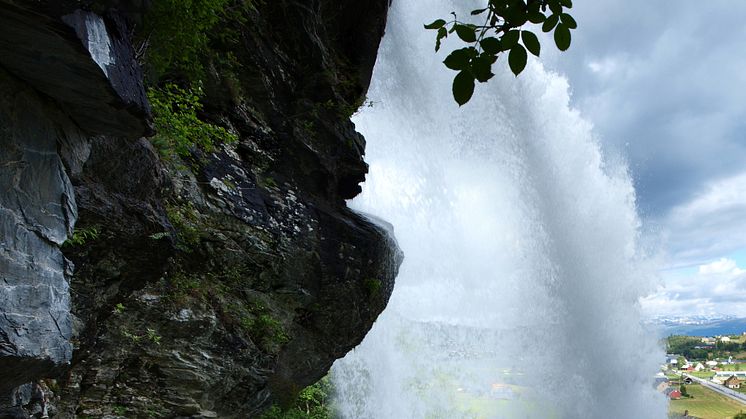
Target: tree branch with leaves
502 31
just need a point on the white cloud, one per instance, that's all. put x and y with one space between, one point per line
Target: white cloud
720 266
606 67
717 287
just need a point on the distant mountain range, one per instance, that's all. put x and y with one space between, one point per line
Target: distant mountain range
699 325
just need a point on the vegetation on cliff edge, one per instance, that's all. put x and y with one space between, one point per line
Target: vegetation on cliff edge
312 403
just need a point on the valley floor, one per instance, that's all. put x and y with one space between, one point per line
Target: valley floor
705 404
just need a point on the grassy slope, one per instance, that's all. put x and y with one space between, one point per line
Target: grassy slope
733 367
706 404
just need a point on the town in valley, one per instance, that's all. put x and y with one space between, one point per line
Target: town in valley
705 376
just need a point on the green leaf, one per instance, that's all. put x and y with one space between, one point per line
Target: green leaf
509 39
458 59
536 17
515 12
531 41
566 3
517 59
466 33
442 33
562 37
555 7
491 45
481 67
436 24
550 23
569 21
478 11
463 87
516 18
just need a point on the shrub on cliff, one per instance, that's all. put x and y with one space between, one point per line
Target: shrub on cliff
177 33
177 125
312 403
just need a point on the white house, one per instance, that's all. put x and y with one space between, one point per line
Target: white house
699 367
732 382
724 339
711 364
725 374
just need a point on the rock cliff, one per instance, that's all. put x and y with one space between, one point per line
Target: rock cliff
212 283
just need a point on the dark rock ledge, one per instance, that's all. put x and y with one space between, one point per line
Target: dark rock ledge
213 285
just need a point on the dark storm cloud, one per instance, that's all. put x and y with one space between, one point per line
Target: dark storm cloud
665 84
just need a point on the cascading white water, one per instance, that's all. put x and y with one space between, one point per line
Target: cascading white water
518 296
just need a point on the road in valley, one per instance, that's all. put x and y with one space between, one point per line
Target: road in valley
725 391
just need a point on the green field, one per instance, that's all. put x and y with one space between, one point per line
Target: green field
733 367
706 404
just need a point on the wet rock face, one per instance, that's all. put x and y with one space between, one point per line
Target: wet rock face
220 282
37 209
53 95
81 60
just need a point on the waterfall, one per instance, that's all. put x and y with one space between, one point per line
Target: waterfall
519 293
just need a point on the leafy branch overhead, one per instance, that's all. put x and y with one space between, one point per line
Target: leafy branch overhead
503 30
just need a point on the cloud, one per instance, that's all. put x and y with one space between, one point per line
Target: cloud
710 224
664 86
606 68
721 266
717 287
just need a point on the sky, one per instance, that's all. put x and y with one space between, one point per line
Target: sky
664 84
